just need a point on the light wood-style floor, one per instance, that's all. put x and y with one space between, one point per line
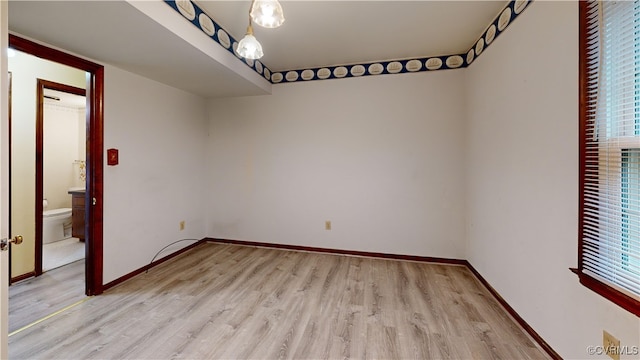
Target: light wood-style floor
237 302
34 298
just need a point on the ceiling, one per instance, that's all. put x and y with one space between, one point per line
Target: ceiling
315 34
324 33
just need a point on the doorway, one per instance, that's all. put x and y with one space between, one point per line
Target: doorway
61 144
94 159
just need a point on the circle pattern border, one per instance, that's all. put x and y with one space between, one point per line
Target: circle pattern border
312 73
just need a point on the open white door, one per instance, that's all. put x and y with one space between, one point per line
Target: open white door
4 178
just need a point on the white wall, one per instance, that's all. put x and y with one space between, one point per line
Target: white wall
522 181
79 166
161 133
25 70
61 150
380 157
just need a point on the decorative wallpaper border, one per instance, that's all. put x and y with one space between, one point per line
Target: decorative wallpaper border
217 33
197 17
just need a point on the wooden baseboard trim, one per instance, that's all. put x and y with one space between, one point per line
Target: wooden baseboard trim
340 251
22 277
545 346
151 265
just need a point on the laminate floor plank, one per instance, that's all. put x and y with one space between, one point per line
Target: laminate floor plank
34 298
240 302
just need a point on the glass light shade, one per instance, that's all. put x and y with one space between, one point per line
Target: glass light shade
267 13
249 47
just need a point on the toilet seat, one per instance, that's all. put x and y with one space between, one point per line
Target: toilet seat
56 225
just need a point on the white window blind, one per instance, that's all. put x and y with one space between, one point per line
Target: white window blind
610 240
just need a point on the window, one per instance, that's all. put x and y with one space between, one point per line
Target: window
630 240
609 242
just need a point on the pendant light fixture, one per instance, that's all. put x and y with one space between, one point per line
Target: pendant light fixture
249 47
266 13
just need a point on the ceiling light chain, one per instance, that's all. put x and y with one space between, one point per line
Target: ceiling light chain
266 13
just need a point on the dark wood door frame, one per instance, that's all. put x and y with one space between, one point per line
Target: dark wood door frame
42 85
95 146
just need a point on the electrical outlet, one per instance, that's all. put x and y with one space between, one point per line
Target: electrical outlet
611 345
181 225
327 225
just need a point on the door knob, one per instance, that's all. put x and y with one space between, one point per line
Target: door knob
4 243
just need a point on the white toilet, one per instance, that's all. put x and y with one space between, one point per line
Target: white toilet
56 224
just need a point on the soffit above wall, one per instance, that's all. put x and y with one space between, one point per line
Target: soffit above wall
116 33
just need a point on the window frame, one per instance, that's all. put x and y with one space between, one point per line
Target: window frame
616 296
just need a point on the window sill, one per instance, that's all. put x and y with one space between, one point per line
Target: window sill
623 300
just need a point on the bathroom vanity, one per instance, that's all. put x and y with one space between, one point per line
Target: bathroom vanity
77 213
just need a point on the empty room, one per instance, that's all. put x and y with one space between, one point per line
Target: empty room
321 179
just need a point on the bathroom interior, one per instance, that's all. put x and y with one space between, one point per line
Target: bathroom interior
63 152
63 177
